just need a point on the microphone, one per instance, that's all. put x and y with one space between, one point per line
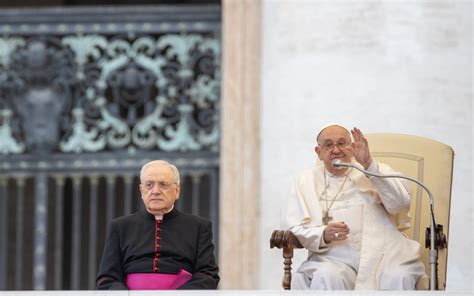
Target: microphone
338 164
436 240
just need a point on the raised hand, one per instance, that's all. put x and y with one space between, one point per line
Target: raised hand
360 148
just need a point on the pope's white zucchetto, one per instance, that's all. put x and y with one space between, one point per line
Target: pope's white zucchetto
329 125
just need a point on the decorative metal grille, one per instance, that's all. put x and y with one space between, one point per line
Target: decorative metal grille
87 96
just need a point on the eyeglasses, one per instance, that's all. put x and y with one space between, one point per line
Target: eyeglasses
149 185
330 145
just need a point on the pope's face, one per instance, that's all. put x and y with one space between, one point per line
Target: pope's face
159 189
331 146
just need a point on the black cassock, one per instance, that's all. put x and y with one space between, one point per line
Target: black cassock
138 243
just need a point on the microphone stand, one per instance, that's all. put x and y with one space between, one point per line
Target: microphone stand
433 254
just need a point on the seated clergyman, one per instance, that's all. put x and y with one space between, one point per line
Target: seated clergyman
159 247
350 222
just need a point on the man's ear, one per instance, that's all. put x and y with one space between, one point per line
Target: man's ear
317 149
178 190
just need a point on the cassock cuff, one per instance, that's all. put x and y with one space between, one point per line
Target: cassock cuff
322 243
373 168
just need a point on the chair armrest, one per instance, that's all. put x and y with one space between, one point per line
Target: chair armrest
284 239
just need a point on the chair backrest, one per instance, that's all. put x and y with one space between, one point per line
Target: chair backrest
431 163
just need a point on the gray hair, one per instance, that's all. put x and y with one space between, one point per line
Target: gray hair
173 168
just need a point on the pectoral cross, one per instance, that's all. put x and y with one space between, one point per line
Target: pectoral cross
326 217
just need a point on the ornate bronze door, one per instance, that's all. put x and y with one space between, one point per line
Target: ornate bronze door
87 96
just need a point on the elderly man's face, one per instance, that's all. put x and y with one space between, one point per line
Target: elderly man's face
328 149
159 189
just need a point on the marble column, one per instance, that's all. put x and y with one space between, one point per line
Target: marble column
240 145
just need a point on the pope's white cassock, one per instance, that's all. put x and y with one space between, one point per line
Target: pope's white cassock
376 255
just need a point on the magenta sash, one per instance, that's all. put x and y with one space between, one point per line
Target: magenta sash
156 281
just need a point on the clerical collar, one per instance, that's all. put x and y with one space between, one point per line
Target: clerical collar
173 212
160 217
338 176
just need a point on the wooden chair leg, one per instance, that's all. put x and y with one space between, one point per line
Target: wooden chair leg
287 256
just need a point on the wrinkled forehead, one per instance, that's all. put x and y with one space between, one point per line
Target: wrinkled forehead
334 133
